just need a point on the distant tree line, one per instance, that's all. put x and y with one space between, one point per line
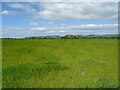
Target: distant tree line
70 37
88 37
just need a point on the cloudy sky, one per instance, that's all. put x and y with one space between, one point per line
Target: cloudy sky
58 18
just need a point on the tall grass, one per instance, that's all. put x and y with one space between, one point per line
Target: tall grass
80 63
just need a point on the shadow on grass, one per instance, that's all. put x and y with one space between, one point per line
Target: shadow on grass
104 82
13 77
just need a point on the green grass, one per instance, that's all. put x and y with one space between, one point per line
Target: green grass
44 63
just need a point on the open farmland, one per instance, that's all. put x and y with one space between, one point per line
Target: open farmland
60 63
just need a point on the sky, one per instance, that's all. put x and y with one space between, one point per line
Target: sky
24 19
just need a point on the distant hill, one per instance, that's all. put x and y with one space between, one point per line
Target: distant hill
73 36
44 37
106 35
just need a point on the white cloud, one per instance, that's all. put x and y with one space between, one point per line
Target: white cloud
85 27
39 28
84 11
65 30
60 1
22 6
34 24
93 27
18 32
6 12
15 28
62 31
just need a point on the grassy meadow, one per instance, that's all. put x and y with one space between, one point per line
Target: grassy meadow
60 63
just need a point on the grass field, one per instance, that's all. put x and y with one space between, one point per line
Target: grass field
60 63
